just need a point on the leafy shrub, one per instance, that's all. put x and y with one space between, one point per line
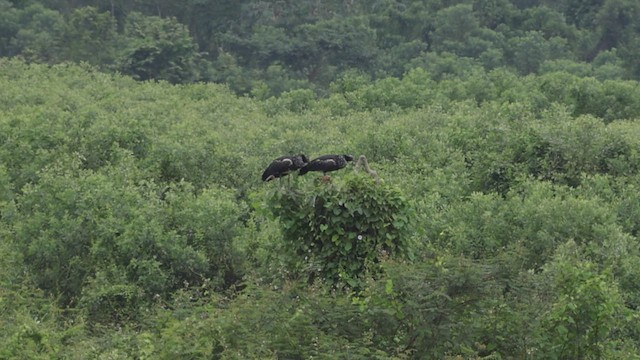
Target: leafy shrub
588 309
111 238
293 322
340 231
297 101
442 308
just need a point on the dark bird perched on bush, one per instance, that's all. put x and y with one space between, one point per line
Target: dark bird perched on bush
327 163
284 166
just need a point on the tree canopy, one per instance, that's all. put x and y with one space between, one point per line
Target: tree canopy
312 44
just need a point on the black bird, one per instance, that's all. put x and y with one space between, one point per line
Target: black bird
327 163
284 166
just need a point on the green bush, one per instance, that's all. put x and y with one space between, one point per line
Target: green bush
587 311
123 237
340 231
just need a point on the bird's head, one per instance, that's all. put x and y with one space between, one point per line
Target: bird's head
348 157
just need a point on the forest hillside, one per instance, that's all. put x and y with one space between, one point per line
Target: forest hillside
264 48
502 221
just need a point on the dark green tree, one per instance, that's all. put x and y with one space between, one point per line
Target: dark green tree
9 26
454 25
345 43
39 34
526 53
159 49
89 36
617 24
492 13
581 13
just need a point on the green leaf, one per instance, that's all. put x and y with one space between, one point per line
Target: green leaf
348 245
389 287
562 330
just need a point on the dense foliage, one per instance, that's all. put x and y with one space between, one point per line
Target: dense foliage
134 224
265 48
341 233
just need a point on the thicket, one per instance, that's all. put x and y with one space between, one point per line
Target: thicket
134 223
340 233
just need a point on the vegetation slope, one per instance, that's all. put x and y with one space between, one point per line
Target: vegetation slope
135 223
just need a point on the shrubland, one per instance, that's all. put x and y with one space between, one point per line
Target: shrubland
134 223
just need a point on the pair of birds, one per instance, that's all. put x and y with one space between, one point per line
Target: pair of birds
285 165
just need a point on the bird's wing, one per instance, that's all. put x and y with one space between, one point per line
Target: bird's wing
284 162
329 162
320 164
277 167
